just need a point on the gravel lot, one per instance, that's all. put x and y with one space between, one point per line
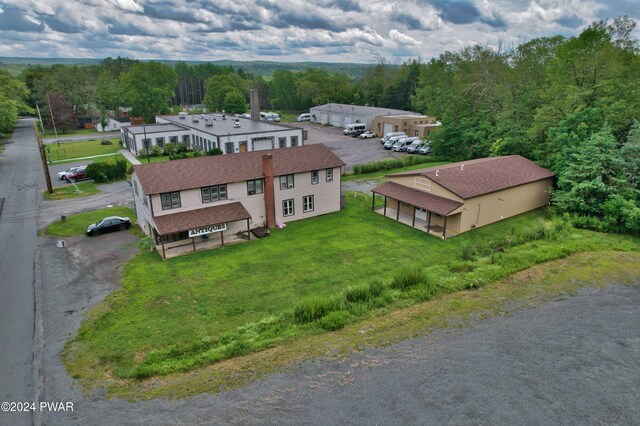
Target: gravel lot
572 361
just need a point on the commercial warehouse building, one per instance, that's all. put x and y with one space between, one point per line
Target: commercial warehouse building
339 115
454 198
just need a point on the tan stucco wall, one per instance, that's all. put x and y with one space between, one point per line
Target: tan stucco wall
506 203
326 195
406 124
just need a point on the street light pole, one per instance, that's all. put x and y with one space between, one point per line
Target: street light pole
144 130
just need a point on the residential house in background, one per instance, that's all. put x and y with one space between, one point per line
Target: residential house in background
191 204
454 198
209 131
114 124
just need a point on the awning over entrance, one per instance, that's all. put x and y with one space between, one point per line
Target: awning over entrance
183 221
424 200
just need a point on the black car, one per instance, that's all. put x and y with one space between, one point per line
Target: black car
109 224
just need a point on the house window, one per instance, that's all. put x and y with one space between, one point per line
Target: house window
307 203
282 142
255 186
214 193
315 177
294 141
160 142
173 139
287 207
416 133
228 148
185 139
329 175
286 182
170 200
146 142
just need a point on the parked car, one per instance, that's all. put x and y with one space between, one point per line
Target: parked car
403 144
368 135
304 117
386 137
61 175
357 133
425 149
109 224
392 140
76 175
414 147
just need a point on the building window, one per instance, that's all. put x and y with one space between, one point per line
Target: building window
378 127
286 182
185 139
395 128
146 142
315 177
307 203
170 200
255 186
228 148
282 142
214 193
173 139
294 141
160 142
287 207
416 133
329 175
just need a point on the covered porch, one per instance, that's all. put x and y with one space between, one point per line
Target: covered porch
426 212
201 229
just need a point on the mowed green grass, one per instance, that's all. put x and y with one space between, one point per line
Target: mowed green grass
80 149
77 224
69 191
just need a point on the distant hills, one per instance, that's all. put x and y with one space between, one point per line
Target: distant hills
263 68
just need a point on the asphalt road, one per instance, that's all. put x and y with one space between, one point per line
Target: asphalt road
21 178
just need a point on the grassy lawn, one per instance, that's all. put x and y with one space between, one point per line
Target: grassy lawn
315 275
49 133
381 174
76 225
69 191
70 150
160 159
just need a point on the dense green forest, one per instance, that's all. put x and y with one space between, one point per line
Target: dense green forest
571 104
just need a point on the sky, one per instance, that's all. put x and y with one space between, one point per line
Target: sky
360 31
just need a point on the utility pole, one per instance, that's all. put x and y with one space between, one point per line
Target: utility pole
43 157
52 119
40 117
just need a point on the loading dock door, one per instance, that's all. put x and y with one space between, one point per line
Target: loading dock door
261 144
388 128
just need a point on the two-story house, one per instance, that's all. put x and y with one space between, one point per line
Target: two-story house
201 202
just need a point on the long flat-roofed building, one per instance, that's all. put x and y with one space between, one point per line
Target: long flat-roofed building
208 131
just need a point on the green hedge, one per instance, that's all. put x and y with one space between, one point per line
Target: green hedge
107 171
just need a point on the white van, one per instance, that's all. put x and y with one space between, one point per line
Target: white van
304 117
386 137
392 140
354 128
404 143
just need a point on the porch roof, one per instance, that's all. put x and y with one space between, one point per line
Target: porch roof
214 215
424 200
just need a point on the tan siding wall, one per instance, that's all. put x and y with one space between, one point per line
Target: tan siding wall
435 188
326 195
506 203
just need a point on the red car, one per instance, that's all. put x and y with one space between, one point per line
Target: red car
76 175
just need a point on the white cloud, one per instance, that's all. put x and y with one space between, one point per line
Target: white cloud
403 39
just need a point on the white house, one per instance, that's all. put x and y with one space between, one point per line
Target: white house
186 205
113 124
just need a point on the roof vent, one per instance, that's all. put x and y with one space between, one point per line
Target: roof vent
207 124
236 123
437 172
462 167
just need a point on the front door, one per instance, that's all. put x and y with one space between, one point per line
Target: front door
243 146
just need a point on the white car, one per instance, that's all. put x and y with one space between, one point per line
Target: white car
69 171
367 135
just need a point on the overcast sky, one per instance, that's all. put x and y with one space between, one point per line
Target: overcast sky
286 30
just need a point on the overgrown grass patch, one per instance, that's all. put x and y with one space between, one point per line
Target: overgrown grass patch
312 276
77 224
384 169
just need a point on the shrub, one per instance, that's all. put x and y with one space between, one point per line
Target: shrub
315 307
408 278
390 164
107 171
214 151
334 320
146 245
156 151
169 149
468 251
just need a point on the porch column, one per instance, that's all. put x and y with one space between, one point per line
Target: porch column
164 256
385 205
248 230
398 210
222 237
373 202
193 241
429 223
444 231
413 223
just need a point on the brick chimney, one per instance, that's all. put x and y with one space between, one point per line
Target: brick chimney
269 195
254 101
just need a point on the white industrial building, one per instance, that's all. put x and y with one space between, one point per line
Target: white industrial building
339 115
209 131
